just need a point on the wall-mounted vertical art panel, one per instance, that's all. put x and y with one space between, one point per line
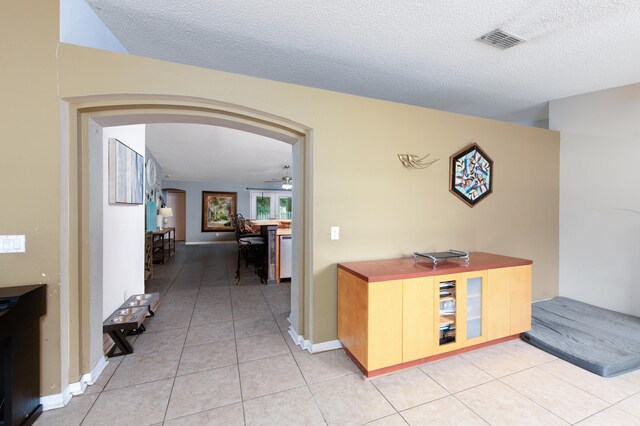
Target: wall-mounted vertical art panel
471 175
126 174
151 215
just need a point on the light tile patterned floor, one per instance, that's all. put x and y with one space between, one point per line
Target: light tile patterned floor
220 354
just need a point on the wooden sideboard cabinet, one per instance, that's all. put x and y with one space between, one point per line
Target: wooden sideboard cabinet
400 312
148 255
164 244
21 309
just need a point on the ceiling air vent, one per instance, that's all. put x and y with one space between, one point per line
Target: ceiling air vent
501 39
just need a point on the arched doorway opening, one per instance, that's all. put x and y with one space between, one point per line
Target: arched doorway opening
80 285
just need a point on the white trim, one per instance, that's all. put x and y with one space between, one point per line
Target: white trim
297 339
60 400
78 388
311 347
65 226
97 371
325 346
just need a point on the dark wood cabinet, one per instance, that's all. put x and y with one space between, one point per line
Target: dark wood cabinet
148 256
20 311
163 245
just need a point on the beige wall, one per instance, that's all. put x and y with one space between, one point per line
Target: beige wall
29 174
382 209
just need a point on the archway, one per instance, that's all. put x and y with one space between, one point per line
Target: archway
79 289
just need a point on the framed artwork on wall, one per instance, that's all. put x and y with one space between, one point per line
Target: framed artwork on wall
151 216
217 210
471 175
126 174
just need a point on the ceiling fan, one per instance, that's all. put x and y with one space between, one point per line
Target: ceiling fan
287 181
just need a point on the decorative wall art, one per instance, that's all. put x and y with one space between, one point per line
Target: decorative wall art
471 175
412 161
153 181
217 210
150 217
126 174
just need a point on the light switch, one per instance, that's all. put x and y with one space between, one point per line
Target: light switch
335 232
12 243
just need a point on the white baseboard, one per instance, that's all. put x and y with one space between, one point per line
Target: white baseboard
311 347
97 371
60 400
297 339
325 346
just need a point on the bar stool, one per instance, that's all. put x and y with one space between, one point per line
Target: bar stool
251 247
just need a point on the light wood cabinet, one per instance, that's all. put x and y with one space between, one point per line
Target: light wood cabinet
353 304
418 331
509 304
385 324
520 298
499 309
372 320
393 320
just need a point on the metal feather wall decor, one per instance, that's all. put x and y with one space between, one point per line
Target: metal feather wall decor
412 161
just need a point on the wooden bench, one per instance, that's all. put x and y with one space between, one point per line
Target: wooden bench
128 319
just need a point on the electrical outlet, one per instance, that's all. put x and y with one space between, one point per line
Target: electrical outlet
335 232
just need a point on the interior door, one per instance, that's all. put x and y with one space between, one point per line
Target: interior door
177 201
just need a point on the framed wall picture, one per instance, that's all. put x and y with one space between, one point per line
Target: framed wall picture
471 175
126 174
217 210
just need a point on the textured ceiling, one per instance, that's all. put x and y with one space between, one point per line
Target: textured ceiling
418 52
202 153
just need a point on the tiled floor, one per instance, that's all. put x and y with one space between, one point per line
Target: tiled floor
219 354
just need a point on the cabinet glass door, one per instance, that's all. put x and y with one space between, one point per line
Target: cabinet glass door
460 300
474 308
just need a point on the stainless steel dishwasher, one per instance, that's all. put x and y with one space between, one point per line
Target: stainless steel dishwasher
285 256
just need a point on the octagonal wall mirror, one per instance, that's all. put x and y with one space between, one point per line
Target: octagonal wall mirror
471 175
